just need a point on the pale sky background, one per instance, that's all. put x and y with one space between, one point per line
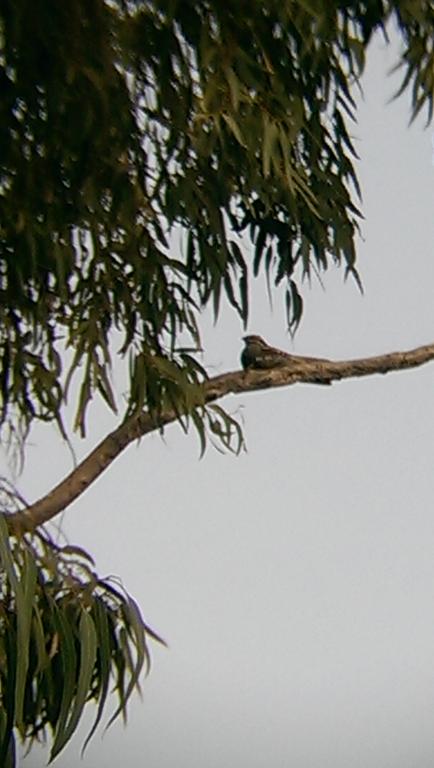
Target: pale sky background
294 584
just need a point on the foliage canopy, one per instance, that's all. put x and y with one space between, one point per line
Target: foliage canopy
123 124
143 143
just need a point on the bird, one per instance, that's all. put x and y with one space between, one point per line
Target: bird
257 354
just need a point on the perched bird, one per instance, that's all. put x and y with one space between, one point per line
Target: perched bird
258 354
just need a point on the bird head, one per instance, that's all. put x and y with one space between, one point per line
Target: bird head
253 339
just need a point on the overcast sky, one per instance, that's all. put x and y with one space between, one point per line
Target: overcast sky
294 584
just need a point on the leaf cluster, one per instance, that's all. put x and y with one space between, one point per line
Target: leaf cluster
140 144
66 637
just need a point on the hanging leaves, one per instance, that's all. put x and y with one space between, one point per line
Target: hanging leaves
64 635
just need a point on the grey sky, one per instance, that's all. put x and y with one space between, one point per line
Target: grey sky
294 584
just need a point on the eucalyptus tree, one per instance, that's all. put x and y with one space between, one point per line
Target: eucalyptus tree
143 145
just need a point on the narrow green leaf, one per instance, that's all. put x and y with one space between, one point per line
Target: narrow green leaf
269 137
119 663
358 52
66 684
259 249
105 388
231 434
24 616
88 647
234 87
39 637
78 552
135 627
104 650
285 149
7 710
234 128
244 297
200 429
7 737
6 557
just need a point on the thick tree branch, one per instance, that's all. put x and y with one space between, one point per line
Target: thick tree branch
60 497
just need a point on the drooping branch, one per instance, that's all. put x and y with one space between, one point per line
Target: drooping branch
235 382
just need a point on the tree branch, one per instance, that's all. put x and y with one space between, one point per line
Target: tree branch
235 382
